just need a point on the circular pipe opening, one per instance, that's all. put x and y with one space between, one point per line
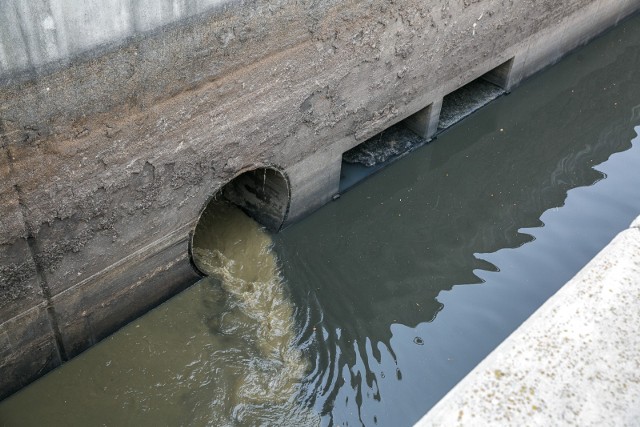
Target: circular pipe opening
263 194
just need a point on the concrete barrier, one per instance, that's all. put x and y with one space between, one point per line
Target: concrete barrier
118 125
575 361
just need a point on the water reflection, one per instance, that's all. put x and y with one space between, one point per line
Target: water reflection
381 255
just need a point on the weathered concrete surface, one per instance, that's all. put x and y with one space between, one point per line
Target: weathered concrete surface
575 361
28 347
25 320
39 33
108 155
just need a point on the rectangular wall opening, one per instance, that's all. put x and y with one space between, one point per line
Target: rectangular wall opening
476 94
377 152
416 130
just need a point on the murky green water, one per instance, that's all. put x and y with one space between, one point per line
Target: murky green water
371 309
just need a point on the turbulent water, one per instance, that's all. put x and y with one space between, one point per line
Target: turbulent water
249 307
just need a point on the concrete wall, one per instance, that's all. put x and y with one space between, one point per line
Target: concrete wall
118 123
50 33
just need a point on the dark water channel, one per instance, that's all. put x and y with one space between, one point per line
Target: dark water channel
399 288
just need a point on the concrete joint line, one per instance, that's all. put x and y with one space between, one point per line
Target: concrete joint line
4 141
42 280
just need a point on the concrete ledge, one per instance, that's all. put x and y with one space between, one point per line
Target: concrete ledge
574 361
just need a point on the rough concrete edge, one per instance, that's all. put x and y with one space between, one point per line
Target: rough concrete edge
488 392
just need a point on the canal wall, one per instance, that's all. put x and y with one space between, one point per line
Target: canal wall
575 361
119 121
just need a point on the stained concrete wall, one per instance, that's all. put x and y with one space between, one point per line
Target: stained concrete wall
46 33
115 134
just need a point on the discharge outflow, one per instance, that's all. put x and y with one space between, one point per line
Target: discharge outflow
247 304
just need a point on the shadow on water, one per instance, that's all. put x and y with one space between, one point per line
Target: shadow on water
382 254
